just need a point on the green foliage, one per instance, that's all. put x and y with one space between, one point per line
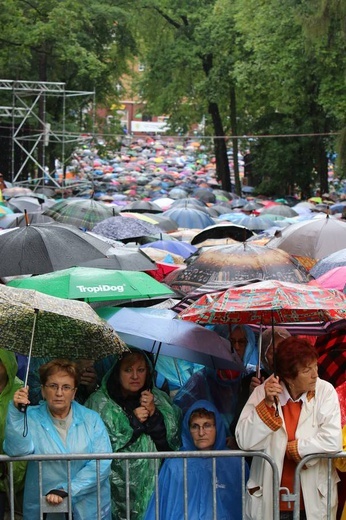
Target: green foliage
83 43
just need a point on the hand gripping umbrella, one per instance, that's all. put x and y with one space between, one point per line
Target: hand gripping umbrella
35 324
271 303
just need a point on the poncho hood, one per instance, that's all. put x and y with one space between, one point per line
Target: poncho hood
220 441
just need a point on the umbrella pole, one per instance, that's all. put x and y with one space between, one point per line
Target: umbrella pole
22 407
157 354
274 367
258 368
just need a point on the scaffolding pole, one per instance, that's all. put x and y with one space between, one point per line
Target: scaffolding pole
26 99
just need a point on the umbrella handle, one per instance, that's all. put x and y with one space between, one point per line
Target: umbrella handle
22 407
258 369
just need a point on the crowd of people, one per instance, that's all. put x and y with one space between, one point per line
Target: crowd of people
286 413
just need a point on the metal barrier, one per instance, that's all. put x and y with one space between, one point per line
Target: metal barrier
295 497
158 457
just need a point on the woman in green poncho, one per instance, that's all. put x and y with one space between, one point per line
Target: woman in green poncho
139 418
9 384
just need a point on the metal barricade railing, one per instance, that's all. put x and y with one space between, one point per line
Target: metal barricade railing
294 498
158 457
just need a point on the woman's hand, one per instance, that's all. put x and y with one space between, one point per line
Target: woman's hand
255 381
147 400
54 499
21 396
141 413
89 379
272 389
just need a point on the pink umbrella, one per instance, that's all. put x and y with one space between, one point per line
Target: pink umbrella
333 279
341 391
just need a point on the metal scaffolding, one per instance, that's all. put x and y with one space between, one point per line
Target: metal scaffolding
29 105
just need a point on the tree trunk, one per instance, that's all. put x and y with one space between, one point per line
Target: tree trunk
222 167
321 162
234 130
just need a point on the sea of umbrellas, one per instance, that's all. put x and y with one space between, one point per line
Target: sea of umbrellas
150 228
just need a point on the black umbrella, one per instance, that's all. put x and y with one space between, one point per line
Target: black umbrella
239 233
43 248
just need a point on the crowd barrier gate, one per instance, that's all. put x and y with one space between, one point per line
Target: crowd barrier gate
66 505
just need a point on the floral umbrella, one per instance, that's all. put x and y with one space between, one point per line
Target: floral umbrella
125 228
64 328
236 262
268 302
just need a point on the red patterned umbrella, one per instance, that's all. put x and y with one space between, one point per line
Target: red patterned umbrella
268 302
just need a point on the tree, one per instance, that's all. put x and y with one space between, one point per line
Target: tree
288 86
185 75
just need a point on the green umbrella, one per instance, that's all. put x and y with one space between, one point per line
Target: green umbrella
33 323
92 284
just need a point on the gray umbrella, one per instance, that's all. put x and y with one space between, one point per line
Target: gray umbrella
142 206
32 218
124 228
281 210
43 248
123 258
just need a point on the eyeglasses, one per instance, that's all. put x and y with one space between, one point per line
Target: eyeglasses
206 427
241 341
64 388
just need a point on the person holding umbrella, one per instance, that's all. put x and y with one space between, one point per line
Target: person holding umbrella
139 418
9 384
221 387
60 425
291 415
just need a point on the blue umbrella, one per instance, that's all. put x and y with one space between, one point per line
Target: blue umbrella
189 218
177 247
159 332
339 207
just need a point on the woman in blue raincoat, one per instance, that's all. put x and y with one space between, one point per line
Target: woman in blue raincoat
203 429
60 425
